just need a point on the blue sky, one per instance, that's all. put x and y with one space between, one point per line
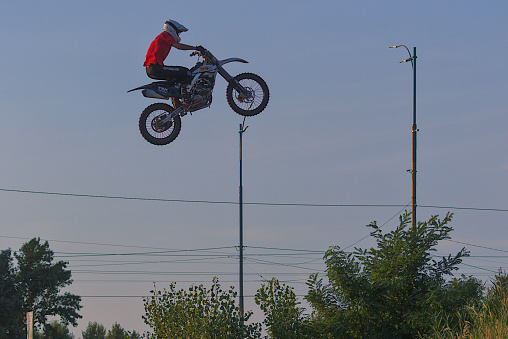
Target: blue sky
337 130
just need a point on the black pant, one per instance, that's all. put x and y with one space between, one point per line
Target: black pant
162 72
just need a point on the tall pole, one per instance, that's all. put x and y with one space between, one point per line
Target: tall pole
240 206
414 130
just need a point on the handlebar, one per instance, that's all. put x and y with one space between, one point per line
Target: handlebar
200 50
205 54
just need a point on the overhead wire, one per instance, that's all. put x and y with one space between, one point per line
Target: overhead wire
245 203
156 251
398 213
88 243
484 247
201 258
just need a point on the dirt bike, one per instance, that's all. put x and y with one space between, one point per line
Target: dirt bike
160 123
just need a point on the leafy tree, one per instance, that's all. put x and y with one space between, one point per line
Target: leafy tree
283 317
94 330
10 316
197 313
34 285
40 280
117 332
56 330
393 290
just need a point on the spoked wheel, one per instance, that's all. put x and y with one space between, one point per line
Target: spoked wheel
152 128
252 102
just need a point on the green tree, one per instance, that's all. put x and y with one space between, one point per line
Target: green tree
34 285
283 317
117 332
197 313
94 330
39 282
393 290
56 330
10 304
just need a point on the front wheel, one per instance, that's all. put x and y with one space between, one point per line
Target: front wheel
252 102
152 128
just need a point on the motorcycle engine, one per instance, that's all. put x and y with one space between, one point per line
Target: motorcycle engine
204 86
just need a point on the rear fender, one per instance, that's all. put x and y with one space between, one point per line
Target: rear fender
150 86
158 90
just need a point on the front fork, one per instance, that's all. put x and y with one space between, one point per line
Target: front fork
236 85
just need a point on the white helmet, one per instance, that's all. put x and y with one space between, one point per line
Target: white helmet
174 28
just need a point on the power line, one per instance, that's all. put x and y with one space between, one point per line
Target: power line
151 253
296 281
192 201
166 251
465 243
477 267
205 257
193 257
265 262
245 203
131 272
151 296
465 208
287 249
87 243
398 213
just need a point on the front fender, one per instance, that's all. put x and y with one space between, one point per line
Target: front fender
225 61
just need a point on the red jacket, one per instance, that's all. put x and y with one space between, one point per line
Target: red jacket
159 49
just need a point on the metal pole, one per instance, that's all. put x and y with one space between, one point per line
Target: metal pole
415 130
240 199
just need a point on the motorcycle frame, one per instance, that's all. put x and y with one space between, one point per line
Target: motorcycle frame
212 60
217 64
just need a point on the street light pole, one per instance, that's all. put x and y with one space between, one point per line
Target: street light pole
240 204
414 129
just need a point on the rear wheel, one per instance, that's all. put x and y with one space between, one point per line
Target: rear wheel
252 102
152 128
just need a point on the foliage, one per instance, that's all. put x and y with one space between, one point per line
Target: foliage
117 332
34 285
10 316
488 320
391 291
94 330
197 313
283 317
56 330
134 335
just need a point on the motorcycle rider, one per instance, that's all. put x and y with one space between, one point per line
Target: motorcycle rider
159 50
